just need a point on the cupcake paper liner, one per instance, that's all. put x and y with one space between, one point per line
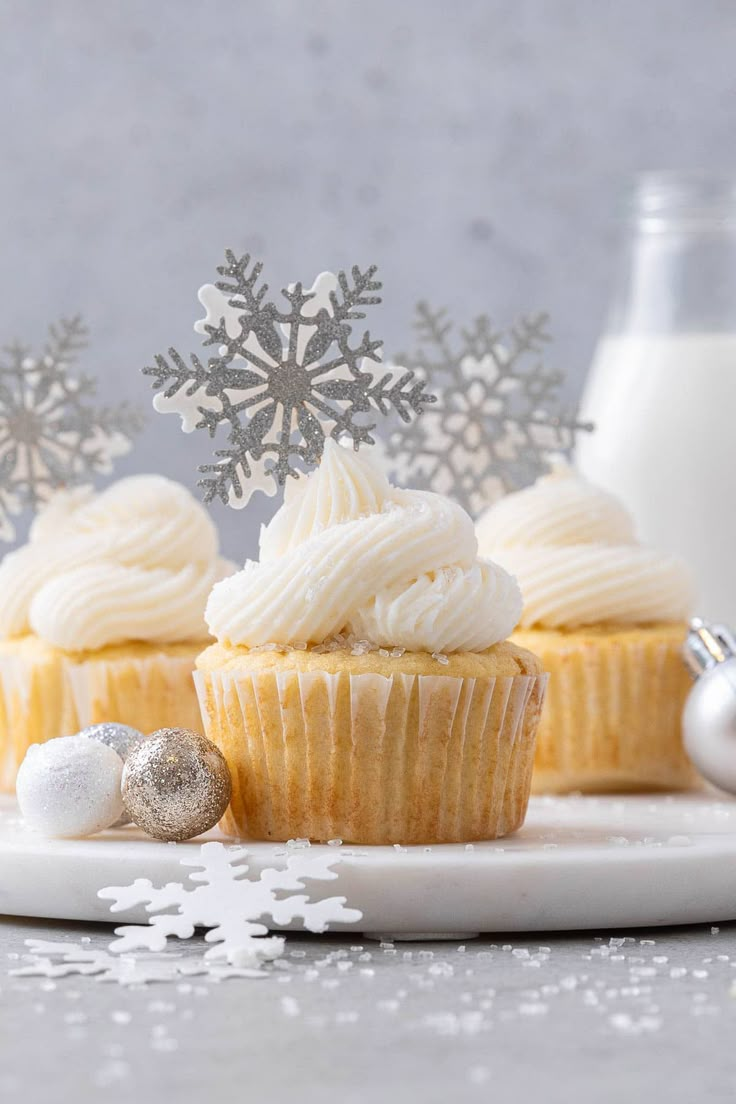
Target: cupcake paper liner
613 713
51 695
371 759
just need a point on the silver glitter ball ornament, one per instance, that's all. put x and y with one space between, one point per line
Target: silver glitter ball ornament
709 718
122 739
176 784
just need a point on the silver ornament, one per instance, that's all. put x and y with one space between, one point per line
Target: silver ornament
176 784
709 718
122 739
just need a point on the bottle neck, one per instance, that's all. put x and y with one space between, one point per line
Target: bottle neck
684 202
677 271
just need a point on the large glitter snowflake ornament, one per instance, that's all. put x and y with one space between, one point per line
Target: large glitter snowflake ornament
499 420
230 905
52 435
283 378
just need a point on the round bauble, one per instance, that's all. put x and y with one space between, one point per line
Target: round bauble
709 725
122 739
176 784
70 787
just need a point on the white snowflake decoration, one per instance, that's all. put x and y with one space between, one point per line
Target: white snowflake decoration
50 959
498 422
229 905
283 379
51 434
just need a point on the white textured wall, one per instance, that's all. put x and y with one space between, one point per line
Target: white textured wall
475 150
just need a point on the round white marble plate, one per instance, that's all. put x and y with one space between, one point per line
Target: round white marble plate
579 862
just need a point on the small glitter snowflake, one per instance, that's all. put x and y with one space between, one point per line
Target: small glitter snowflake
51 434
499 420
283 379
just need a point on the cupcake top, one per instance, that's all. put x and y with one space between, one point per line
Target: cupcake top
135 562
348 553
573 549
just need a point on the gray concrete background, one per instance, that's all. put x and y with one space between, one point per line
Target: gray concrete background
476 151
592 1018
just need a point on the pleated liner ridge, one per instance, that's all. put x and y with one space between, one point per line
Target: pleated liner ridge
373 759
55 696
612 718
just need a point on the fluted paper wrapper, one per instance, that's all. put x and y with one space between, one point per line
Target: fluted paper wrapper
372 759
612 718
52 695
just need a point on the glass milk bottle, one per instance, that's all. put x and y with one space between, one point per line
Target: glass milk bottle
662 388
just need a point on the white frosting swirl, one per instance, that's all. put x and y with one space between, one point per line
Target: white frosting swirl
347 552
572 547
133 563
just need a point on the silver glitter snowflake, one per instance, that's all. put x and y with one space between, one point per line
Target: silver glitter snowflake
499 419
52 435
283 379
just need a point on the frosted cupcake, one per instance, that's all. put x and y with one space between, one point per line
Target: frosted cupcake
360 688
102 614
607 618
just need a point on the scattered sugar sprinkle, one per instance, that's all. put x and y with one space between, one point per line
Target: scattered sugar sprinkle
290 1006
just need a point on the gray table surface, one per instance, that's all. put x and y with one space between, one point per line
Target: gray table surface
599 1016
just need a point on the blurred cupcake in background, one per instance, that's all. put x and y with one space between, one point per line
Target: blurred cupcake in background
101 614
362 687
607 617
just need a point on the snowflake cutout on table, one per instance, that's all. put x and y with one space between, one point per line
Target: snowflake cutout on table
51 433
51 959
229 905
283 379
499 421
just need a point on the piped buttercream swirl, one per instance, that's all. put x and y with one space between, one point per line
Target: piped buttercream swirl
347 552
572 547
135 562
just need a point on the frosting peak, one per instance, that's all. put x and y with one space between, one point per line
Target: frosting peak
347 552
135 562
573 549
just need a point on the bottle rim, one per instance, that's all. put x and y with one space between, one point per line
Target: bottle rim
696 199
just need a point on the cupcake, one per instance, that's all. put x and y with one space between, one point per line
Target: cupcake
102 614
607 618
361 687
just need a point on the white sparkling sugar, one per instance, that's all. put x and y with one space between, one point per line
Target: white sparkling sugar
70 787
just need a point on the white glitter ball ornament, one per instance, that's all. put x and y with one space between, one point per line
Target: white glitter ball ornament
70 787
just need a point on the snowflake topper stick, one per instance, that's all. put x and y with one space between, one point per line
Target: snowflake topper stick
499 420
52 436
283 379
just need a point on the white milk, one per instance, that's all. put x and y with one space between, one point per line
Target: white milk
665 443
